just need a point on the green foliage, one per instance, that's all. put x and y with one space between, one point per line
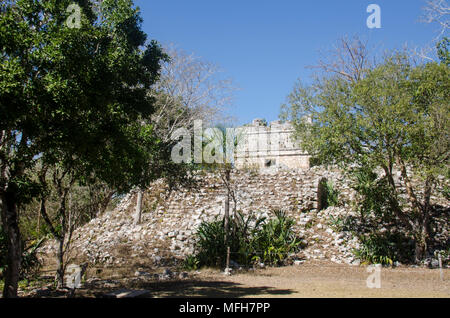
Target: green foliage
79 97
211 244
76 99
30 263
276 240
383 237
336 223
386 248
332 194
327 194
374 193
393 116
443 51
252 239
191 263
374 251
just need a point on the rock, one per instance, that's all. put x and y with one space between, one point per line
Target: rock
183 275
234 264
167 273
126 293
298 262
434 263
228 271
356 262
142 274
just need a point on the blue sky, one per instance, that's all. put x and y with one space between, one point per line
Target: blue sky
266 45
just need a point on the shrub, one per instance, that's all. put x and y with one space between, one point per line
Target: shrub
30 263
327 195
332 194
210 240
210 243
276 240
191 263
384 248
251 239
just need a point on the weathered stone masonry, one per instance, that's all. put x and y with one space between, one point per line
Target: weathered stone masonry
269 146
169 221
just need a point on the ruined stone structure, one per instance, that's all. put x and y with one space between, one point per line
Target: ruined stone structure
271 146
171 218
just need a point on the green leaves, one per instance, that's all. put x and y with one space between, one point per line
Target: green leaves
396 117
252 239
76 93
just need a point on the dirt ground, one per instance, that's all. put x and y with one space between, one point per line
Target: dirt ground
310 280
314 281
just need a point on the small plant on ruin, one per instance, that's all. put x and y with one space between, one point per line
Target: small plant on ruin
384 248
210 243
336 223
191 263
276 240
332 194
375 250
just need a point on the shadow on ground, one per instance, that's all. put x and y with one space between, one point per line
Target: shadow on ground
211 289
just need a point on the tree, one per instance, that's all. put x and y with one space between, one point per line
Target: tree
437 11
189 89
219 144
73 97
67 201
349 59
394 118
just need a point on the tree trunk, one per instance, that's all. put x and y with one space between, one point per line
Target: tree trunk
422 238
227 216
14 257
138 213
60 263
227 206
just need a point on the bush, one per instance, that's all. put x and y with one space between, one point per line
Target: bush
327 195
384 249
191 263
332 194
384 240
251 240
30 265
212 248
210 244
276 240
